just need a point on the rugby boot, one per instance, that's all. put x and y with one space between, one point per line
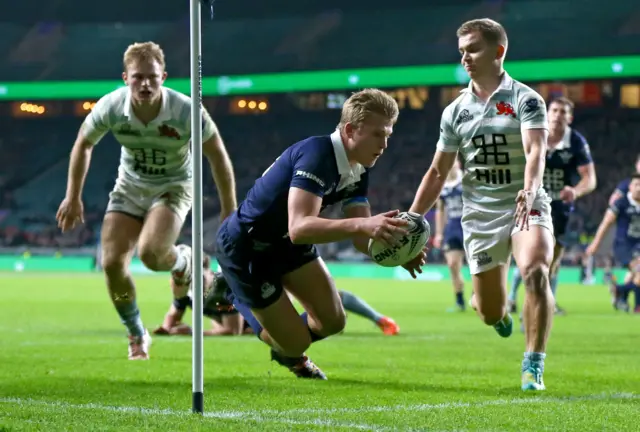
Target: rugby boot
301 367
388 326
504 327
532 379
139 346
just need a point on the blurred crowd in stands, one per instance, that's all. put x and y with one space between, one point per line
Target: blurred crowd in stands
35 160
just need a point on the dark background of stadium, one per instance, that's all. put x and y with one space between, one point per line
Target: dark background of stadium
72 40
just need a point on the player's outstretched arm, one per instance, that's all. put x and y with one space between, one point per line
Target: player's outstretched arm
535 148
222 169
588 180
607 222
587 171
78 166
360 242
433 181
71 210
306 227
94 127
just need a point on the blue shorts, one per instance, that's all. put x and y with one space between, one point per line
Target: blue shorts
453 243
625 253
560 220
254 269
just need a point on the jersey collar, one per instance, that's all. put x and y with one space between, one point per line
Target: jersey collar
163 115
506 84
564 144
566 140
632 201
344 167
348 173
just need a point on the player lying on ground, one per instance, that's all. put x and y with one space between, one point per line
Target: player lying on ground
449 236
153 192
267 245
499 126
226 320
625 214
569 174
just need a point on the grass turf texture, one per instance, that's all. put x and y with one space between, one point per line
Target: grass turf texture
63 366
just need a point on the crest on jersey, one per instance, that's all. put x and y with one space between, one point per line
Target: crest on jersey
168 131
565 156
506 109
464 117
531 105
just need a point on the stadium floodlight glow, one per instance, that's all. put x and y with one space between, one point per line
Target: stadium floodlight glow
196 212
341 79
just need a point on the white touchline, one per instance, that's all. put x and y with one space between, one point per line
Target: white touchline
244 416
262 416
453 405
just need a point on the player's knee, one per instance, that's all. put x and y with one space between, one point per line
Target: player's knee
113 264
151 257
335 324
555 266
536 276
492 314
454 267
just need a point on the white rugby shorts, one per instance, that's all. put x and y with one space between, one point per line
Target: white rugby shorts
136 199
487 233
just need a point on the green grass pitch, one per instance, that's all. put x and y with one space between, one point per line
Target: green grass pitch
63 366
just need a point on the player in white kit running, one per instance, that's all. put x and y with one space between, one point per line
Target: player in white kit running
499 126
153 191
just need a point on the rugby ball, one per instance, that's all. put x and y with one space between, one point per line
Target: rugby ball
411 244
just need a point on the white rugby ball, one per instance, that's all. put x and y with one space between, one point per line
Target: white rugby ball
411 244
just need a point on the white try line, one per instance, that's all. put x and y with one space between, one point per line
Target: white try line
280 416
533 400
243 416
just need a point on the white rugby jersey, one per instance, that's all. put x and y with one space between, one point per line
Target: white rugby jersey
489 138
157 153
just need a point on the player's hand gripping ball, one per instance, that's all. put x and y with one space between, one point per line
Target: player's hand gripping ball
410 245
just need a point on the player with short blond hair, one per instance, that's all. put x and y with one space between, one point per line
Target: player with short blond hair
266 247
499 126
153 191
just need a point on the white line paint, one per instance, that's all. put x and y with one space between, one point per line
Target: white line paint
280 416
243 416
533 400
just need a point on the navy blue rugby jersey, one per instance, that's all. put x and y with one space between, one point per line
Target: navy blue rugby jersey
319 165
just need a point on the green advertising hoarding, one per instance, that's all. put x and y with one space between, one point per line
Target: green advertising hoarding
448 74
431 272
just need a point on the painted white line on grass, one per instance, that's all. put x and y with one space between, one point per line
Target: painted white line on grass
454 405
280 416
244 416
